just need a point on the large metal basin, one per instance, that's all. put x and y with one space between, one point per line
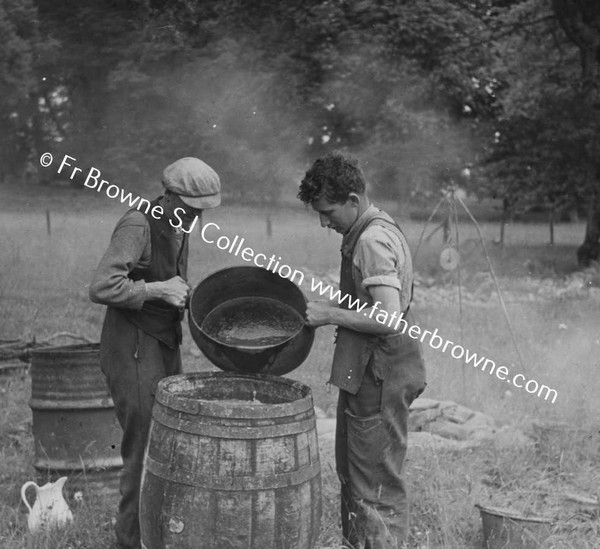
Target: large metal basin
219 290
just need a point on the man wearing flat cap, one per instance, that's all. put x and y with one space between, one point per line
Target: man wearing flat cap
142 280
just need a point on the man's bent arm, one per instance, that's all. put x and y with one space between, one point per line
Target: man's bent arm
386 299
111 284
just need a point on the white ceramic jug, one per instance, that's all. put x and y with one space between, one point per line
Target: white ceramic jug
50 508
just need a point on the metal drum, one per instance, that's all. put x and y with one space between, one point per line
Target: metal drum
232 462
260 321
75 430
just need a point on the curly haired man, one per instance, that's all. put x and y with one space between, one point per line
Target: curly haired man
377 367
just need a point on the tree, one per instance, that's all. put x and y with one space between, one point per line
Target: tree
145 82
395 82
258 88
544 147
22 52
580 19
246 84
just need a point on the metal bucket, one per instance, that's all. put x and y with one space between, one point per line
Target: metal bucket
75 430
232 461
559 441
505 529
247 291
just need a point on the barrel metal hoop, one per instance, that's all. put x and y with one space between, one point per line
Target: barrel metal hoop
232 483
252 431
65 404
84 464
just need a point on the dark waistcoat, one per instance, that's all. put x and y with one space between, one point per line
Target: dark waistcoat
353 349
168 258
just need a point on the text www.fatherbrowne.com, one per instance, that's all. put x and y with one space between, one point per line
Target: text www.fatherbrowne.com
435 341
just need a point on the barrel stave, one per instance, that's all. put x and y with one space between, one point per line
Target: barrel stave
187 517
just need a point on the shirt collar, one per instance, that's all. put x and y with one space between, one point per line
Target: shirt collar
350 238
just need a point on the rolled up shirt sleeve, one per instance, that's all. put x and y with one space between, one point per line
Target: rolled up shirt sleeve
129 244
378 258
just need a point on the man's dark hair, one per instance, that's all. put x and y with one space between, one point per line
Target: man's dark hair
334 176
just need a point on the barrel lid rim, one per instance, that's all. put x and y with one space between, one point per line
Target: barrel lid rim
195 405
207 375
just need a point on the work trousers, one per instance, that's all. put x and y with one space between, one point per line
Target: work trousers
371 442
133 363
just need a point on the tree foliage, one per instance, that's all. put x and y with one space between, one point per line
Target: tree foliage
259 87
22 53
420 90
545 147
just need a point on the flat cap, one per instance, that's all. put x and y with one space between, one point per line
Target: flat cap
194 181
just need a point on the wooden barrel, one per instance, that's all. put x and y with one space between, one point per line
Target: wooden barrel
75 430
223 471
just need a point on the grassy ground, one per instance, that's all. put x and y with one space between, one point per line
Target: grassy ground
43 290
